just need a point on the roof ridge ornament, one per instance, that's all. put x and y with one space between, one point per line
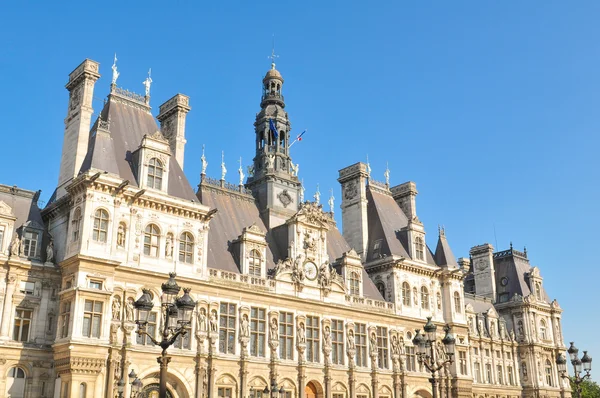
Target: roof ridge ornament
147 83
242 176
368 167
204 162
317 195
115 73
386 174
331 200
223 168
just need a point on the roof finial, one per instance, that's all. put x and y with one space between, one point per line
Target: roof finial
115 73
302 191
368 167
242 176
511 245
148 82
204 162
317 195
386 174
330 201
273 55
223 168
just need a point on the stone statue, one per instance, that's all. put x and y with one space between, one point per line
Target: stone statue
201 318
386 174
330 202
439 301
480 327
121 236
15 246
373 344
169 246
116 308
204 162
274 330
129 310
115 73
114 329
350 340
368 168
223 168
317 195
301 333
250 170
244 327
520 330
269 161
440 352
302 192
242 176
147 83
512 335
213 321
295 168
327 338
50 251
325 275
396 349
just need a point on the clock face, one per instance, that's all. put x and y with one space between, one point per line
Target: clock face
310 270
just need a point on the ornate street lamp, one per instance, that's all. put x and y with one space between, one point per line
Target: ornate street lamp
579 365
177 316
275 393
121 387
136 384
427 353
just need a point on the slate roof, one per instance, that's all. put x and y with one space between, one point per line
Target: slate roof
111 150
443 254
479 304
23 203
515 267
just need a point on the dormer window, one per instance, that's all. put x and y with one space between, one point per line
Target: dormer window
100 230
377 248
155 174
186 248
30 243
254 263
543 329
75 225
354 284
151 240
457 304
419 249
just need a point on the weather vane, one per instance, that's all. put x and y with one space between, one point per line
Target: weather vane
273 55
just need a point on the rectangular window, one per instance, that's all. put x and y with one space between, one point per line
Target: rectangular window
360 341
22 325
27 287
65 317
511 377
477 372
30 243
499 372
488 373
312 338
224 392
411 359
508 356
462 359
95 285
338 395
286 335
150 328
92 319
227 329
382 348
475 351
337 342
497 354
257 331
487 352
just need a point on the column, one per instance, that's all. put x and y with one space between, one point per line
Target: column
7 308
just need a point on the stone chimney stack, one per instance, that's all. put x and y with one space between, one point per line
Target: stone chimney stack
405 195
482 261
355 224
172 124
77 123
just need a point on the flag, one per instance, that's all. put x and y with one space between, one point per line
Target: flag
273 128
298 138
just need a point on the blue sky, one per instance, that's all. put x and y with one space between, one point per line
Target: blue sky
490 107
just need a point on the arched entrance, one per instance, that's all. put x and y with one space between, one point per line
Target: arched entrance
422 394
151 391
313 390
15 383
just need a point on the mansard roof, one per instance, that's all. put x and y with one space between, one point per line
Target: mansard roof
443 254
118 132
23 205
515 267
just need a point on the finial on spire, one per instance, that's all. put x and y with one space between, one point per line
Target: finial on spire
223 168
368 167
302 191
242 176
317 195
386 174
115 73
273 55
148 82
330 201
441 231
510 245
204 162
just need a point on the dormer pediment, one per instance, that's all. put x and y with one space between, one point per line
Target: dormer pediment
491 313
6 211
312 215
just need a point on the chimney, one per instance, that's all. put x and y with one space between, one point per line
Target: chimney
405 195
355 224
172 124
77 123
482 261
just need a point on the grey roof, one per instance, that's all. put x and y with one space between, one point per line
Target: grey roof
479 304
516 269
443 254
112 150
23 203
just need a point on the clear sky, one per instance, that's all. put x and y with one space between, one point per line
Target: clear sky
490 107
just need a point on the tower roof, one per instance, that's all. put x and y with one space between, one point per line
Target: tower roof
273 74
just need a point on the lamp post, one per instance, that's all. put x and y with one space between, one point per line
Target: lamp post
275 393
121 387
427 353
579 365
136 384
176 314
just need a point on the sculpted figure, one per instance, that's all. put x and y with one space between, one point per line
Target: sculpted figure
350 340
169 246
129 310
327 337
116 308
202 320
121 236
373 344
244 327
396 350
213 321
15 246
50 251
274 330
301 332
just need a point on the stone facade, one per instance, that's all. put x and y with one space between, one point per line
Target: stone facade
282 295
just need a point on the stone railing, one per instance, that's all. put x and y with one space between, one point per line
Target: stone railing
383 305
226 185
233 277
130 95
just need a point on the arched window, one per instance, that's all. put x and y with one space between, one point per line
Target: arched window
405 294
255 263
424 298
419 248
543 330
186 248
15 383
76 225
457 305
354 284
549 373
100 230
381 288
155 174
151 240
82 390
538 290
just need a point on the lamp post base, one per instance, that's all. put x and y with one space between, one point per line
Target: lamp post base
163 361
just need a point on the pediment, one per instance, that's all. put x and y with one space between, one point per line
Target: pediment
6 209
492 313
312 214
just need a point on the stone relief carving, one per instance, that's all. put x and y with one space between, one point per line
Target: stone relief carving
351 190
285 198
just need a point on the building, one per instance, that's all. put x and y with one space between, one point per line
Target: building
281 293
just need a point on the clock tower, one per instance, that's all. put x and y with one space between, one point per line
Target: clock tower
274 178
